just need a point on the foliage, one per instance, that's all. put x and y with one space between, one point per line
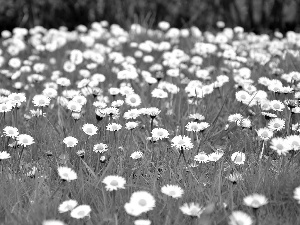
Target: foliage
254 15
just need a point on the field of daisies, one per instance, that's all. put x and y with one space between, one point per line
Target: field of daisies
164 126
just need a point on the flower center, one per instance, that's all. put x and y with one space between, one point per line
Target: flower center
89 130
276 125
238 158
142 202
194 212
279 146
172 193
255 203
81 213
114 183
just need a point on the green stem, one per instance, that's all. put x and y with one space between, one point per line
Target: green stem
18 164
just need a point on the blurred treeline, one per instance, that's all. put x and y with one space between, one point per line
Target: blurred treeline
254 15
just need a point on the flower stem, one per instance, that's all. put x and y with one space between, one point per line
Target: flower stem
18 164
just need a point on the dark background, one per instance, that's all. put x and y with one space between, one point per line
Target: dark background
253 15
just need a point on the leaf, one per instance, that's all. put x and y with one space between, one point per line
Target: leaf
89 169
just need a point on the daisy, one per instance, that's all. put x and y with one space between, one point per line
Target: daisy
117 103
5 107
112 111
126 90
100 114
17 98
296 110
275 85
265 105
238 158
268 115
203 125
81 153
66 173
297 194
264 81
37 113
131 125
150 80
41 100
158 93
70 141
152 111
132 209
50 92
240 218
159 133
245 123
196 117
133 100
81 211
276 124
280 145
291 103
193 127
136 155
89 129
76 116
100 148
163 25
114 183
142 222
294 142
235 177
201 157
25 140
143 200
67 205
131 114
70 93
277 105
114 91
173 191
4 155
69 67
191 209
255 200
264 133
101 105
12 132
74 106
182 142
243 96
79 99
63 81
215 156
235 117
113 127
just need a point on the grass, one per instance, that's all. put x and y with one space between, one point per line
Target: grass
31 188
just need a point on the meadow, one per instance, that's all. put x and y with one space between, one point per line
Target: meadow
102 125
